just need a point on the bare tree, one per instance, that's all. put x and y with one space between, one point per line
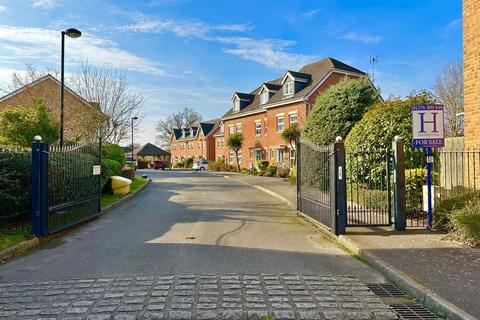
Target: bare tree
448 89
180 119
107 87
111 90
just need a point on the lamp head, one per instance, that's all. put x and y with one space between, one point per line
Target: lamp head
135 118
37 138
72 32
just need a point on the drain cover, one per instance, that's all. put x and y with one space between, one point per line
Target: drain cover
385 290
413 312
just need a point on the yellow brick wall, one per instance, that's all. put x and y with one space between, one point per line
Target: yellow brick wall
471 51
80 118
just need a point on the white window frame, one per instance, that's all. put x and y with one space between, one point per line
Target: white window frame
281 152
282 125
264 97
258 128
288 88
231 129
237 127
290 118
236 105
240 156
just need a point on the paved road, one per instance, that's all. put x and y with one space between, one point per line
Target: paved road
189 223
191 246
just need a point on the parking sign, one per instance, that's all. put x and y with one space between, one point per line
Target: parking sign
427 126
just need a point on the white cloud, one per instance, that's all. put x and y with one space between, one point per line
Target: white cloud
453 25
183 29
45 4
269 52
44 45
310 14
3 9
361 37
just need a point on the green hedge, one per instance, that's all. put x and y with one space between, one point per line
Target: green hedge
113 152
338 109
109 168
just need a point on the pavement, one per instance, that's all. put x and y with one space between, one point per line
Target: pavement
448 268
189 225
190 296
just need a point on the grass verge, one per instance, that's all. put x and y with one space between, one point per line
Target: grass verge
108 199
10 238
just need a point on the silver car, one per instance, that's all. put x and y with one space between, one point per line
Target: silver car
200 165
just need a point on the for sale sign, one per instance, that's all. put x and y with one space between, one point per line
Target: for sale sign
427 126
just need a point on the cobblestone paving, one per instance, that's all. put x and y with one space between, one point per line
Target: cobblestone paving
185 296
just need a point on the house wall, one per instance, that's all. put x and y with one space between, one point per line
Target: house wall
79 118
471 69
200 148
270 140
221 149
471 65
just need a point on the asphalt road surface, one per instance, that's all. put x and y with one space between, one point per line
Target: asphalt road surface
189 223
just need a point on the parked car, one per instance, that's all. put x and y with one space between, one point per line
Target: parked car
157 164
200 165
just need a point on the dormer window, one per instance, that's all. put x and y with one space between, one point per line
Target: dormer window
222 128
236 105
288 88
264 97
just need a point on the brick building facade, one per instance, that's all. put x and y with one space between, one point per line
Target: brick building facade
471 64
81 117
196 141
264 113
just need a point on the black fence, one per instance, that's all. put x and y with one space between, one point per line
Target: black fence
73 190
454 172
15 188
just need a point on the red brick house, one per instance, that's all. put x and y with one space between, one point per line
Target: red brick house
195 142
264 113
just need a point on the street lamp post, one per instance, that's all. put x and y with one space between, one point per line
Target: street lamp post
134 118
72 33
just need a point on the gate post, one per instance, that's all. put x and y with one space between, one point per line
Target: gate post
399 184
338 187
39 187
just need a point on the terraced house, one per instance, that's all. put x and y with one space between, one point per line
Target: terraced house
195 142
262 114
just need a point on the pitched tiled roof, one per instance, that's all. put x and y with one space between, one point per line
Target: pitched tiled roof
151 150
205 126
317 71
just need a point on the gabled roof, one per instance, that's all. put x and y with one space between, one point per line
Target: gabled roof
270 87
296 75
204 126
93 105
242 96
317 72
207 126
151 150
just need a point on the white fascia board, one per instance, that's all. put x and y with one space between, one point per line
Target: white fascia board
281 103
244 114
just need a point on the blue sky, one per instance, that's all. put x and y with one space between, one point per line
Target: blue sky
196 53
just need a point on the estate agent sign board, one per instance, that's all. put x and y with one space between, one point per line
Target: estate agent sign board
427 126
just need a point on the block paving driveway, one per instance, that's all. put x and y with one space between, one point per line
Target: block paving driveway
191 246
187 296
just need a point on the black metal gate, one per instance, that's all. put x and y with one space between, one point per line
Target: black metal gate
369 187
74 189
313 181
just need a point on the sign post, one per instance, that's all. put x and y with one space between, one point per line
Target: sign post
427 132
